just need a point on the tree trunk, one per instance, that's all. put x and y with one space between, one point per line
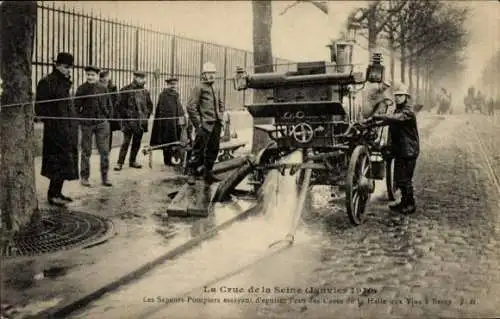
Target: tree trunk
426 87
263 62
430 93
403 63
419 94
372 29
393 57
18 200
410 76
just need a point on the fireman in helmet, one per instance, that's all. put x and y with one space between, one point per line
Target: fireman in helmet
404 147
205 108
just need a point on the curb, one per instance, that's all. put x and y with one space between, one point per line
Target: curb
64 310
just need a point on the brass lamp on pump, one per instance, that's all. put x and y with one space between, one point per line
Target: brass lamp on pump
375 71
341 50
240 79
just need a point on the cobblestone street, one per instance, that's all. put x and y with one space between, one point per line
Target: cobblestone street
442 261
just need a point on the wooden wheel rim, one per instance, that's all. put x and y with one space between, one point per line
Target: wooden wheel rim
359 167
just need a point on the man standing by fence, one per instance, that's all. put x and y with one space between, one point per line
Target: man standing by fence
114 125
60 131
134 103
169 120
92 101
205 108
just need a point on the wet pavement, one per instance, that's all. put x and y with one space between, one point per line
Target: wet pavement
442 261
136 204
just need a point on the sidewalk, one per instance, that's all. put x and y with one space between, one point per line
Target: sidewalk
136 205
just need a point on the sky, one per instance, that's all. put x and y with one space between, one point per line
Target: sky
300 34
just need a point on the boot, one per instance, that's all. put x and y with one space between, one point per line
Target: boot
64 198
396 206
409 209
135 165
105 181
85 182
191 177
118 167
410 206
55 201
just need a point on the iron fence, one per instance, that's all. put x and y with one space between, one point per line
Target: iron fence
123 48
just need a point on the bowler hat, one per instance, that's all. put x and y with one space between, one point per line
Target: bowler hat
104 74
90 68
171 80
64 58
140 74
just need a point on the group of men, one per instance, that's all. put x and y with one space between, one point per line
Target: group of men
98 109
479 102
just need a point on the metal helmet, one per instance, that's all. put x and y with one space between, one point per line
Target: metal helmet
401 89
208 67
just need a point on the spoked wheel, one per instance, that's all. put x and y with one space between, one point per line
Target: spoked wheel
228 185
389 179
359 185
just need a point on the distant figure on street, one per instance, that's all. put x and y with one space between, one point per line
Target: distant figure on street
99 109
444 102
205 108
469 100
404 147
491 107
168 130
60 136
480 101
114 125
134 103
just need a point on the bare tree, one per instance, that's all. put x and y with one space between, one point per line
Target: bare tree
437 41
489 80
18 199
375 18
421 32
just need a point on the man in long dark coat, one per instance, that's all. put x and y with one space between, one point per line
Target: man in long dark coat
168 130
60 136
114 125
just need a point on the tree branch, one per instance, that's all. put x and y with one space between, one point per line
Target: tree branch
289 7
390 15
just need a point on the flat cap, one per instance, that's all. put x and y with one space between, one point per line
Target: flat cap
90 68
140 73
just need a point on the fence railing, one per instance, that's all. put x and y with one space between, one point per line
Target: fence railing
123 48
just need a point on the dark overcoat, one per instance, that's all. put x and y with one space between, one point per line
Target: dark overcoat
113 90
167 130
60 136
134 102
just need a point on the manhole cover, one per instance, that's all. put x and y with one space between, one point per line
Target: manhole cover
58 230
